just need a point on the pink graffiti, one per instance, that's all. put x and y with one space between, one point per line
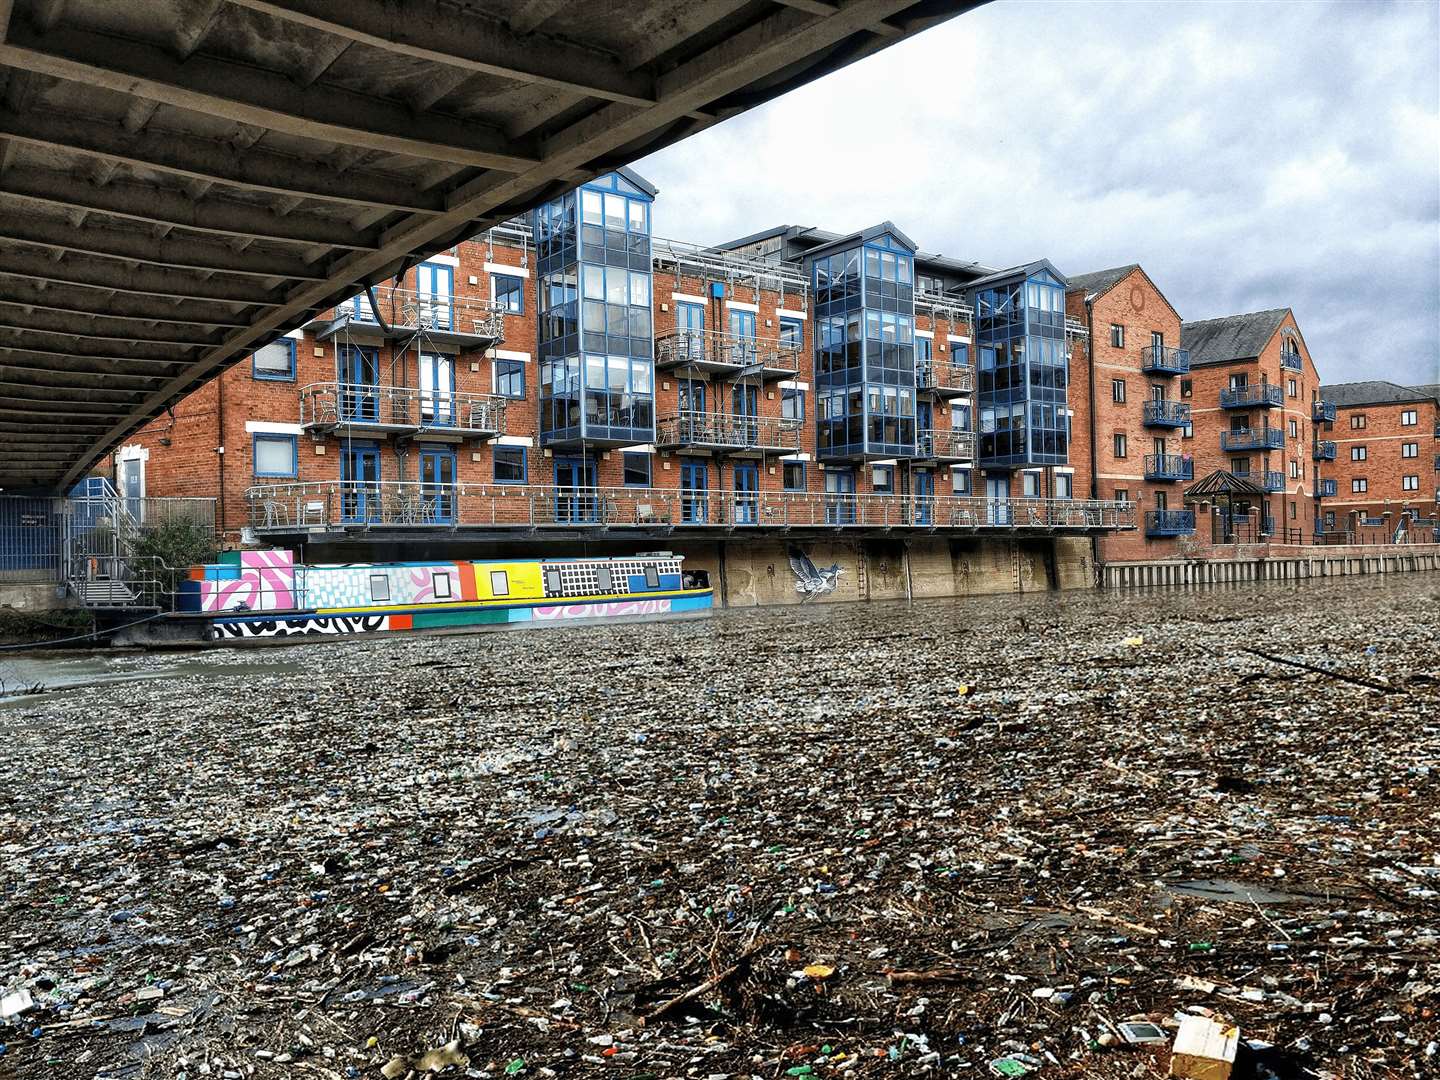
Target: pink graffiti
266 583
423 578
597 611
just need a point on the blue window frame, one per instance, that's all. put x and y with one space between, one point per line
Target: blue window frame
882 479
510 378
960 481
275 456
509 464
509 293
793 475
923 349
792 333
960 353
636 470
275 361
792 403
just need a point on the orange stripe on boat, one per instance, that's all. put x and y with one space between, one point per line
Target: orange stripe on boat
402 622
467 581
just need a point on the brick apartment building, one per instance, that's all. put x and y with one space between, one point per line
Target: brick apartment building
1387 456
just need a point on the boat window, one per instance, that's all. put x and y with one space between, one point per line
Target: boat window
442 586
379 587
652 577
602 579
499 583
552 582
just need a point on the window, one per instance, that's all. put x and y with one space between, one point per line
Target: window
1357 420
1117 336
1409 418
792 333
960 481
1329 520
882 479
1294 429
1294 470
1157 339
1240 466
1187 387
275 361
379 588
1292 388
1359 453
499 583
1030 482
793 475
509 464
1121 447
924 349
509 293
441 585
1117 390
1064 485
792 403
510 378
1122 494
275 455
1410 483
554 585
1410 449
1359 485
652 576
1187 430
636 470
603 582
1292 512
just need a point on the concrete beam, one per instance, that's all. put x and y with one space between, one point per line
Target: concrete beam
105 274
470 41
14 320
88 304
102 368
251 95
56 357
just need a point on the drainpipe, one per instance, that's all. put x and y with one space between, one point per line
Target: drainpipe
220 452
1090 390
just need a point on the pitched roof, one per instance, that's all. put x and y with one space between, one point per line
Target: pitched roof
1430 390
1101 280
1374 392
1023 270
1222 482
1231 337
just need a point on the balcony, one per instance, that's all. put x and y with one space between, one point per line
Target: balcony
1292 362
343 507
715 352
1273 480
943 378
1324 450
1164 467
1158 360
1322 411
728 433
932 445
356 408
1166 414
1326 489
452 320
1169 522
1252 439
1259 396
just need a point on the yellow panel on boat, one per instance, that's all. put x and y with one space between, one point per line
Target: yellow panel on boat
508 581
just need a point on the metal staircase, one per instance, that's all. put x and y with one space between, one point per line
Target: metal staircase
101 570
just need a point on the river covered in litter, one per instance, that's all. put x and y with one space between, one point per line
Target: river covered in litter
990 836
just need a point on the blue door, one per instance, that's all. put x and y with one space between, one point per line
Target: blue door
694 491
747 493
437 485
437 389
922 483
359 375
742 337
576 499
360 482
839 496
997 494
690 326
692 396
436 291
745 401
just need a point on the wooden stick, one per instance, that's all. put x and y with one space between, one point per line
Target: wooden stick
1384 688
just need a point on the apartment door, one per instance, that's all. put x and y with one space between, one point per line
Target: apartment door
839 496
997 495
359 375
437 485
435 293
745 402
690 327
922 486
576 499
131 482
742 337
747 493
437 389
694 491
359 482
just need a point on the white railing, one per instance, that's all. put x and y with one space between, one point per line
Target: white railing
719 349
408 310
699 428
329 405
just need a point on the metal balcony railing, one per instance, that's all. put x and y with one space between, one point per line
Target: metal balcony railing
400 409
1327 488
1324 450
1159 467
347 505
1260 395
1165 413
409 312
1321 411
1252 439
1158 360
1169 522
725 353
1273 480
1292 362
728 431
944 445
944 376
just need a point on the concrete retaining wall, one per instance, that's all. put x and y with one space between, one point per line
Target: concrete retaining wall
1295 564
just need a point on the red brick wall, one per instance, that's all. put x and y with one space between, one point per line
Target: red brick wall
1383 438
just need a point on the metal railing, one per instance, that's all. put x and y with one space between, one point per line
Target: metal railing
1169 522
719 350
1324 450
1292 362
410 311
1321 411
1169 467
1261 395
944 445
1166 413
1327 488
1273 480
942 375
1158 360
729 431
328 405
120 581
316 507
1252 439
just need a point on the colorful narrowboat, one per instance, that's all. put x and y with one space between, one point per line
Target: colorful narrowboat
267 594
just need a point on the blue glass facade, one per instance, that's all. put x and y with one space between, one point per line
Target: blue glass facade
1022 369
865 348
596 338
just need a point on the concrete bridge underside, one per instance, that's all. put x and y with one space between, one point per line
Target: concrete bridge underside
181 181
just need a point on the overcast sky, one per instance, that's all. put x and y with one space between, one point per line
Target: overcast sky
1248 155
